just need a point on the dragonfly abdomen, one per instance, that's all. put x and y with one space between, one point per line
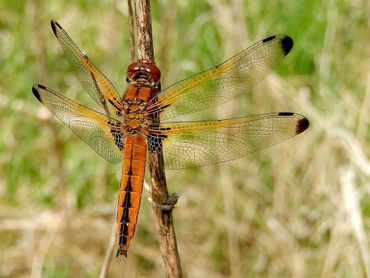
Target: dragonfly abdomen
131 186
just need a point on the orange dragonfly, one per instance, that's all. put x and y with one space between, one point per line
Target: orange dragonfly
142 120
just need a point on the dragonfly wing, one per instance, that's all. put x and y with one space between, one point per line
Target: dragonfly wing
100 132
188 144
94 81
223 83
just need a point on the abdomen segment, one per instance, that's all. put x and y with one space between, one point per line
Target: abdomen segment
131 186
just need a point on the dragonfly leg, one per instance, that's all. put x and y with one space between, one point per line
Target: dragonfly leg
169 203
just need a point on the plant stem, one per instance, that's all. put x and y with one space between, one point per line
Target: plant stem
164 219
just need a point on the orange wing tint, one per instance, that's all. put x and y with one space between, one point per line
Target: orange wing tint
100 132
93 81
189 144
225 82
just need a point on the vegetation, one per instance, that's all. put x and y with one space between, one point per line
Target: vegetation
298 209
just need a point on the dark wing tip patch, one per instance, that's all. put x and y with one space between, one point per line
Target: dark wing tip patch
286 44
302 125
36 92
286 114
268 39
54 26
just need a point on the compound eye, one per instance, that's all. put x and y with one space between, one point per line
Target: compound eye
132 69
143 67
154 71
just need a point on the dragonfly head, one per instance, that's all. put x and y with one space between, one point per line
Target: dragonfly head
144 73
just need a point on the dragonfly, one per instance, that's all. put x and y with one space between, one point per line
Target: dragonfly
145 118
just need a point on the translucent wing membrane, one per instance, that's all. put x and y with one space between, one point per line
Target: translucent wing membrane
187 144
93 81
100 132
224 82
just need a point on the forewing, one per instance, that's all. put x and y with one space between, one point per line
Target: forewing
223 83
94 81
188 144
100 132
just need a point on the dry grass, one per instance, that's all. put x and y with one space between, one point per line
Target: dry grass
299 209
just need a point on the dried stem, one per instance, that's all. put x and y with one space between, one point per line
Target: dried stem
164 220
109 252
131 28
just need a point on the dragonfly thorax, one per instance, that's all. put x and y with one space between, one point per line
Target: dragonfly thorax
135 116
136 123
130 106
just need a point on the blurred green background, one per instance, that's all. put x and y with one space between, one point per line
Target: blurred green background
298 209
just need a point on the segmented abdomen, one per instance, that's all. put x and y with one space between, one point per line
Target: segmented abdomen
133 169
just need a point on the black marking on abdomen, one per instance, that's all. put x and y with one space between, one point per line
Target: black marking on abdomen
126 205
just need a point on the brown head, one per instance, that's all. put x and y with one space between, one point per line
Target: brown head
143 73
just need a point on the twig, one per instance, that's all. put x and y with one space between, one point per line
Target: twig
144 30
164 220
131 31
109 252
